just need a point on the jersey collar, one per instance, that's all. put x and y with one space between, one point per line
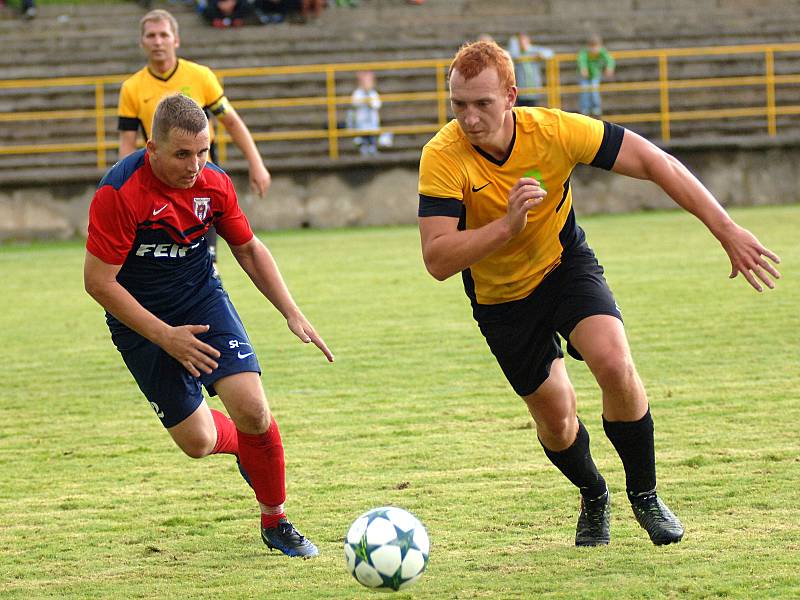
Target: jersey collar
166 76
503 160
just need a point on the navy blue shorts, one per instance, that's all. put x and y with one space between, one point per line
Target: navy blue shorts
523 334
171 390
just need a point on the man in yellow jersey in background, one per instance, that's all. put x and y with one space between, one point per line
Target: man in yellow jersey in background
167 74
496 205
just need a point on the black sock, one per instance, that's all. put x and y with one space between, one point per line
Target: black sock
633 441
577 465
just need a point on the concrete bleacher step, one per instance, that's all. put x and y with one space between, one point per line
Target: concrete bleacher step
340 25
21 177
64 41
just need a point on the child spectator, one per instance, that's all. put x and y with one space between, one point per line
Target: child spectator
594 62
364 113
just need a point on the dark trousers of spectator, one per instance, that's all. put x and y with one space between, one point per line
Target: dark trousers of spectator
240 12
278 7
25 5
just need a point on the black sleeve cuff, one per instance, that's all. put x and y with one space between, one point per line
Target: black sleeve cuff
609 148
218 107
128 124
430 206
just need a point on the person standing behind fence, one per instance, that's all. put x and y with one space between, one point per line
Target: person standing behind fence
528 72
167 74
364 113
594 63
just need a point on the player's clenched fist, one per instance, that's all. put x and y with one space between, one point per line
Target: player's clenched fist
525 195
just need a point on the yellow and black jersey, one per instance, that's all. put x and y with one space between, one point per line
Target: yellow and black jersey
457 179
142 91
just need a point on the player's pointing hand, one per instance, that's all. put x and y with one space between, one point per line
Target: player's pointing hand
300 326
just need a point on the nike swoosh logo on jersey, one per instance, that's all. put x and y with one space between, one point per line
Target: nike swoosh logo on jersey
240 355
155 212
474 189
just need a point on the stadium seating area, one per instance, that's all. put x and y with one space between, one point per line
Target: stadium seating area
101 39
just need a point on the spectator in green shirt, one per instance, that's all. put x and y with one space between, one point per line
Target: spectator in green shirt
594 63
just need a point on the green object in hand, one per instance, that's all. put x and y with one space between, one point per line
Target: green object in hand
537 175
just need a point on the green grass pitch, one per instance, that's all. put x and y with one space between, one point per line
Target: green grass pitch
96 502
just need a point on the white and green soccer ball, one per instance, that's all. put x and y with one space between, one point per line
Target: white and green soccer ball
386 548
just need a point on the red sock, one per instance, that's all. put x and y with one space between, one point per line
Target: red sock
227 443
261 456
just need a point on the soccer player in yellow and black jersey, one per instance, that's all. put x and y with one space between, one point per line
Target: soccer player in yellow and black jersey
142 91
166 74
496 205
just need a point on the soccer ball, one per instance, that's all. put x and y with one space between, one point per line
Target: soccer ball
386 548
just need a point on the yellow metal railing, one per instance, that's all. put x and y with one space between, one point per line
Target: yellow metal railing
333 102
431 121
664 84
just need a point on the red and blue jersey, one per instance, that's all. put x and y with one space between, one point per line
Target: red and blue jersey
156 232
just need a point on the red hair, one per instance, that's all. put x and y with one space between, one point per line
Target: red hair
473 58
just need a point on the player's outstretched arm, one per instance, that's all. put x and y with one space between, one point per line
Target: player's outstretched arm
257 261
641 159
260 179
100 281
447 251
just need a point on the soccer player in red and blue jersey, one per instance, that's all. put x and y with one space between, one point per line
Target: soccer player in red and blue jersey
148 265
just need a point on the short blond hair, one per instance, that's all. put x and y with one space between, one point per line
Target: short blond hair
159 15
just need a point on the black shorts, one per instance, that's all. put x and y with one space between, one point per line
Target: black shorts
524 334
